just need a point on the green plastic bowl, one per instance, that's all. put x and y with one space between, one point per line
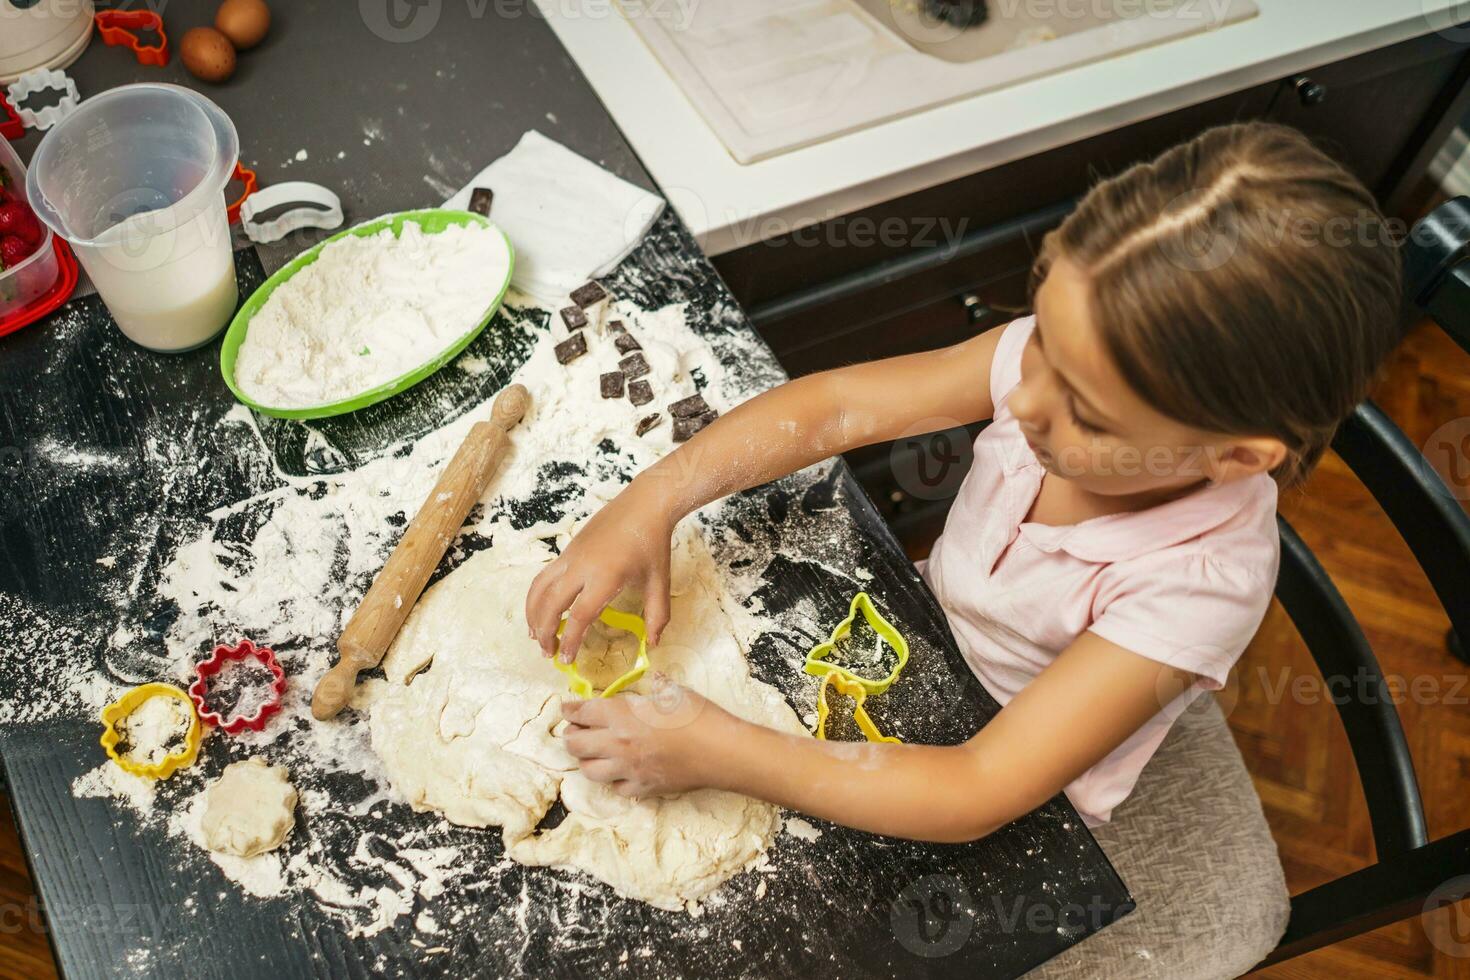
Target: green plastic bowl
432 222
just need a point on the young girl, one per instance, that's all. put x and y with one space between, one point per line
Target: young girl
1202 324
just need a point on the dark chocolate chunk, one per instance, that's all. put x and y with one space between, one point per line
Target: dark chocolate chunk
574 318
572 348
626 343
634 366
648 423
480 199
686 407
617 326
612 384
685 428
585 296
639 392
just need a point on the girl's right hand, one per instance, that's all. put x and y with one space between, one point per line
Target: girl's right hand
626 544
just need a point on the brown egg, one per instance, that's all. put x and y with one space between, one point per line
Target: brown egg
244 22
208 54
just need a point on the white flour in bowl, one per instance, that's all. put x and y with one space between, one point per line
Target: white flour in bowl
367 311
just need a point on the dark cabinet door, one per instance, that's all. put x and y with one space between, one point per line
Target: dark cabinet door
1371 110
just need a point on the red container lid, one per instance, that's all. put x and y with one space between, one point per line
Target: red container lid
47 302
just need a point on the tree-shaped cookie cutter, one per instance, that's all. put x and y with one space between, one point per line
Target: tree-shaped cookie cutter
856 691
114 713
818 665
120 27
628 623
211 667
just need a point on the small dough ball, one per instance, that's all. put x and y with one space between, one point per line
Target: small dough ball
248 810
244 22
208 54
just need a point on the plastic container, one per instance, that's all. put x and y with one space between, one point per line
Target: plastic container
134 180
37 275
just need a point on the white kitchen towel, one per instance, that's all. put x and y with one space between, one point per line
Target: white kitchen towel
568 219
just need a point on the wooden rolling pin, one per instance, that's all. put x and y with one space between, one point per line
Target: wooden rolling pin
398 586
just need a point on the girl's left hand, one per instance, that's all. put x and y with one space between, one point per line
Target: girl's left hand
648 745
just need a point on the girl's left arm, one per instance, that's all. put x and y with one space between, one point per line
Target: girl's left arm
1082 707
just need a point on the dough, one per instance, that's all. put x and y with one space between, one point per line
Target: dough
468 727
248 810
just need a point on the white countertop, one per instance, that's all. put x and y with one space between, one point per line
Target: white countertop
728 205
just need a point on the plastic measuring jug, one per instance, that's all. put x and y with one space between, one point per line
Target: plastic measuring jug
134 179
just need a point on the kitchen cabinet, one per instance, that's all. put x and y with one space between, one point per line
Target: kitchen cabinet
842 291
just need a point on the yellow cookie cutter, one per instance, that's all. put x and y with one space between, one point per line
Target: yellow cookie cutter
130 702
859 694
817 665
628 623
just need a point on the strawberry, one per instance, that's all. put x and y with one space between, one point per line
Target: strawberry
13 251
16 219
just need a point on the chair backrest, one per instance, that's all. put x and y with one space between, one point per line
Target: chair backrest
1428 515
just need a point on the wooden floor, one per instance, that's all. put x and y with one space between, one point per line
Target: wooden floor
1297 752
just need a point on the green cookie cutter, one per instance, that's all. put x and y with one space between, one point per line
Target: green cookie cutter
818 666
628 623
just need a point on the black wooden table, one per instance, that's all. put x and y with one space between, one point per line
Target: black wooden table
125 898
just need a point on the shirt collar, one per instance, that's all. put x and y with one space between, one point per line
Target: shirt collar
1119 537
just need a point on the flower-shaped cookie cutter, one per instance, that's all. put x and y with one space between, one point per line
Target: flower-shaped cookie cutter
211 667
628 623
117 711
41 80
120 27
818 665
859 694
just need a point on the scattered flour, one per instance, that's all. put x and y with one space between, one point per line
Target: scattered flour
369 310
154 730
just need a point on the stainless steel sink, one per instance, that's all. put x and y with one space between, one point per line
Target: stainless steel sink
773 75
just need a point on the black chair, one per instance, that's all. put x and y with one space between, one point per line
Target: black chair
1412 873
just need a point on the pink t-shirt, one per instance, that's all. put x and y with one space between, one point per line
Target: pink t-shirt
1185 583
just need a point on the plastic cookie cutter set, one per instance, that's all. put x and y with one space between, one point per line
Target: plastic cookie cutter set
628 623
211 667
118 711
848 682
315 207
120 28
43 80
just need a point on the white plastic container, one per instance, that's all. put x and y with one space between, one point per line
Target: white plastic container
33 278
134 180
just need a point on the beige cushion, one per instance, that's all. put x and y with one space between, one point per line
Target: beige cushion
1192 845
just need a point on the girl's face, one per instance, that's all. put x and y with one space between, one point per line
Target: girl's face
1087 426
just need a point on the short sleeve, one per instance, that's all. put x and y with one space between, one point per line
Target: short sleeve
1005 369
1189 610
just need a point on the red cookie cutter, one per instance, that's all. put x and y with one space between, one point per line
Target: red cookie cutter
117 28
216 663
11 126
247 178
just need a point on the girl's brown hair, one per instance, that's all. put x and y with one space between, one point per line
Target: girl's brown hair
1245 284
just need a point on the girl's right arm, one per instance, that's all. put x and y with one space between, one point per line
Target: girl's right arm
626 544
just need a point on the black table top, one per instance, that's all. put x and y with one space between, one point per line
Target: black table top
122 896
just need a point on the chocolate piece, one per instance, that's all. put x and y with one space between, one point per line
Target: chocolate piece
626 343
634 366
687 407
647 424
574 318
617 326
640 392
480 199
685 428
585 296
612 384
572 348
